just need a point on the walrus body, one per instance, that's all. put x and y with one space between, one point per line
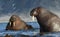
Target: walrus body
15 23
48 21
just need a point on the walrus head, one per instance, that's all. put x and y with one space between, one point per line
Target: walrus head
35 12
12 20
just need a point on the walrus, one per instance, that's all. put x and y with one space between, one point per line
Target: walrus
48 21
16 23
8 35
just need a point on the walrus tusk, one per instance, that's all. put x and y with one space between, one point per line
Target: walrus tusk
13 23
33 18
10 23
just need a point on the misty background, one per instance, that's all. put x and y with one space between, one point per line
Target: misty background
22 8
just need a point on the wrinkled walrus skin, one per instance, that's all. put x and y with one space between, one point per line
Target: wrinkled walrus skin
15 23
48 21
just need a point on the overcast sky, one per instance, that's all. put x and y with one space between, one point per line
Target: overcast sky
22 8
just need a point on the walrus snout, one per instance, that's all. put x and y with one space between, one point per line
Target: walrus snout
34 13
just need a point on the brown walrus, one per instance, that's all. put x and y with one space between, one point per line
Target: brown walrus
8 35
48 21
15 23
